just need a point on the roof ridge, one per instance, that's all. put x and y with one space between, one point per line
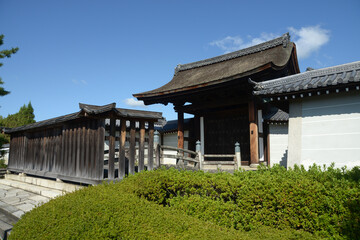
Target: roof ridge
284 40
311 74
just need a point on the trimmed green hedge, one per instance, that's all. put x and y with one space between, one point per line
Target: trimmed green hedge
171 204
324 202
104 212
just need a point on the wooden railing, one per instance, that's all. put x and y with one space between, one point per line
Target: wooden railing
195 159
181 158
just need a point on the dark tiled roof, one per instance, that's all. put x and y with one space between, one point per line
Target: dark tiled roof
93 109
277 115
275 53
172 125
44 123
340 75
90 110
283 40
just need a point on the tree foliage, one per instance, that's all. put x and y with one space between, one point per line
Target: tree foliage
6 53
24 116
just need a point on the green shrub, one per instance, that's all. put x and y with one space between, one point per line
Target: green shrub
171 204
2 163
324 202
104 212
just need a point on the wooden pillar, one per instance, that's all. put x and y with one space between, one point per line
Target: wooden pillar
141 146
122 148
254 138
83 150
132 150
151 146
180 129
268 144
111 161
78 150
196 128
100 148
202 135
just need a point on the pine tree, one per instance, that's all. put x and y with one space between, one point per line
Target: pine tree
5 54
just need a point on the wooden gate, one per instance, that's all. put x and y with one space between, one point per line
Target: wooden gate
223 130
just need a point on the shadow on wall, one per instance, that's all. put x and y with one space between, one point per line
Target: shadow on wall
283 161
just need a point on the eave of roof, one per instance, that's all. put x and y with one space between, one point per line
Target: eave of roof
275 53
337 76
90 110
277 115
172 126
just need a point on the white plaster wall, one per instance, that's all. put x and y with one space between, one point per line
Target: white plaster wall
170 139
330 130
278 144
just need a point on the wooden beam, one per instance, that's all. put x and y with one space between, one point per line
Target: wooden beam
180 130
111 162
122 149
254 138
151 146
141 146
132 150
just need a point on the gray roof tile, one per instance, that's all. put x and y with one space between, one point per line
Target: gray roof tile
276 115
310 80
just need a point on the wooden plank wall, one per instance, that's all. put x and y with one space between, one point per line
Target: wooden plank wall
73 152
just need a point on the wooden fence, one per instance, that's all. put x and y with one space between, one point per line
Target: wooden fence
73 150
196 159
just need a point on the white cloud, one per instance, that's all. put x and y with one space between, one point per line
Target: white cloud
134 103
309 39
230 44
79 82
263 38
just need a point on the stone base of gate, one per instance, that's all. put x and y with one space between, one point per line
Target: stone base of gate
43 182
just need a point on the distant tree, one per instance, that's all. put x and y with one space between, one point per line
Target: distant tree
5 54
24 116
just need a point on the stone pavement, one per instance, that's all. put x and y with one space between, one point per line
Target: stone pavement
17 198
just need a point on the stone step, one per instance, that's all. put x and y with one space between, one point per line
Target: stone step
48 183
2 172
7 220
43 191
5 228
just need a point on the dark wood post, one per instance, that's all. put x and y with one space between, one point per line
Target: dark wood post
151 146
157 148
100 154
132 150
181 129
122 148
78 150
62 163
254 138
141 146
83 150
267 143
111 161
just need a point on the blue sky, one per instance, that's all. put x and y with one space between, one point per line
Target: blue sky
99 52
